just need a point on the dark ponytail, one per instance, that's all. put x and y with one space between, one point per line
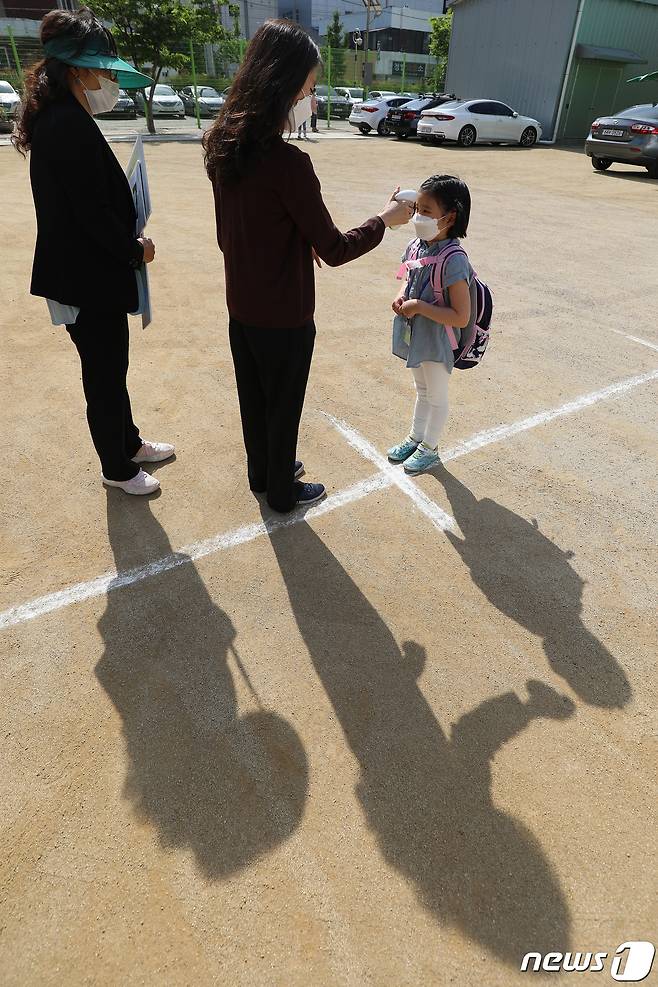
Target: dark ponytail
48 80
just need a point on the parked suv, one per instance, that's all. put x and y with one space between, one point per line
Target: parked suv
403 121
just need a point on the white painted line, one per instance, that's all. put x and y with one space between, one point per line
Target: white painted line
501 432
425 505
239 536
189 553
636 339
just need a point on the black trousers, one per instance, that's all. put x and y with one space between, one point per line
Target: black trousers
271 371
101 339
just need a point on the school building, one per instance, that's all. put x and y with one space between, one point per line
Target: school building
564 62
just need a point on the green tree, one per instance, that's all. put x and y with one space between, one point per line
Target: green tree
234 12
440 44
336 41
156 34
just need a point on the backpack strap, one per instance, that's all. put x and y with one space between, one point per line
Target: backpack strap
438 262
406 265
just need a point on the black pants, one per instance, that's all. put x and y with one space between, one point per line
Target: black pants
314 121
101 339
271 371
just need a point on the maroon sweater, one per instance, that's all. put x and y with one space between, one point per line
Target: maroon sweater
266 225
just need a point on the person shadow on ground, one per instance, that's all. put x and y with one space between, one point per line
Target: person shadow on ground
226 786
528 578
426 794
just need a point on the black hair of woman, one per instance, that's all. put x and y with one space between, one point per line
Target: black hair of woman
48 80
278 61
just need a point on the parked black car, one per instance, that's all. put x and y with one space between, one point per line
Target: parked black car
340 107
125 107
630 137
403 122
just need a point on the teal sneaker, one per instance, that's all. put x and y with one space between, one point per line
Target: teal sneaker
399 453
421 460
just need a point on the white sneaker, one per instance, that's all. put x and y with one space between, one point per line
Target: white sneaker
141 484
154 452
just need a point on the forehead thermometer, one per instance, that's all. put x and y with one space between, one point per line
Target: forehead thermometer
406 195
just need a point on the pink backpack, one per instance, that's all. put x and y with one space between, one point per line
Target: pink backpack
475 336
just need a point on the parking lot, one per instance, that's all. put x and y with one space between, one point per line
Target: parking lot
402 739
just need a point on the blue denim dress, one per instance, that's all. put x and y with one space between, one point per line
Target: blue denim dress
425 341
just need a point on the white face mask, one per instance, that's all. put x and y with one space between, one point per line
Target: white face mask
426 227
301 112
104 99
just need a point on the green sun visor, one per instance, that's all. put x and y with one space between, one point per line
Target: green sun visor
65 50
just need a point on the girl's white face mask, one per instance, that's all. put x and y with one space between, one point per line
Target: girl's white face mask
301 112
102 100
426 227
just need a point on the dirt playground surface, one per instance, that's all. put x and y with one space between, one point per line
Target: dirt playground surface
402 741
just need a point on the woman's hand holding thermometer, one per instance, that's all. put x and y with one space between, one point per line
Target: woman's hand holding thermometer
398 211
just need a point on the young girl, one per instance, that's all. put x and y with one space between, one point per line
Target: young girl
443 209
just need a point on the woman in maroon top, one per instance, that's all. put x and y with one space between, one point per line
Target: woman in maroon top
270 221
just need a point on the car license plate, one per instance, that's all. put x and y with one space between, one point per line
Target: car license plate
395 116
613 133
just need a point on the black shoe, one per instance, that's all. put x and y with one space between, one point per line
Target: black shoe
308 493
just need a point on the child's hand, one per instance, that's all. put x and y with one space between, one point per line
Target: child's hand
409 308
396 304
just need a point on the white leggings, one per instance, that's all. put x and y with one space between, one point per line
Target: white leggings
431 409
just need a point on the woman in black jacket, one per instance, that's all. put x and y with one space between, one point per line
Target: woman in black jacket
86 252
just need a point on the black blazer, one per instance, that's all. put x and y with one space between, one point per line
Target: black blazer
86 249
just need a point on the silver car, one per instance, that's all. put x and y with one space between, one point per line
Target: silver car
166 102
210 101
9 100
630 137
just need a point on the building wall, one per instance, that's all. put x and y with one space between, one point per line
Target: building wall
598 88
512 50
252 14
631 24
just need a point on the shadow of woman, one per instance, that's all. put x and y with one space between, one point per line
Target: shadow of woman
226 786
426 796
528 578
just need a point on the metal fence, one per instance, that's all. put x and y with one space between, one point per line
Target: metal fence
215 65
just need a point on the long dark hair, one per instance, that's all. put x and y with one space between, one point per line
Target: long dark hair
47 81
276 66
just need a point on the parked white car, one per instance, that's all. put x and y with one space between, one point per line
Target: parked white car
9 99
371 114
381 94
478 121
166 102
